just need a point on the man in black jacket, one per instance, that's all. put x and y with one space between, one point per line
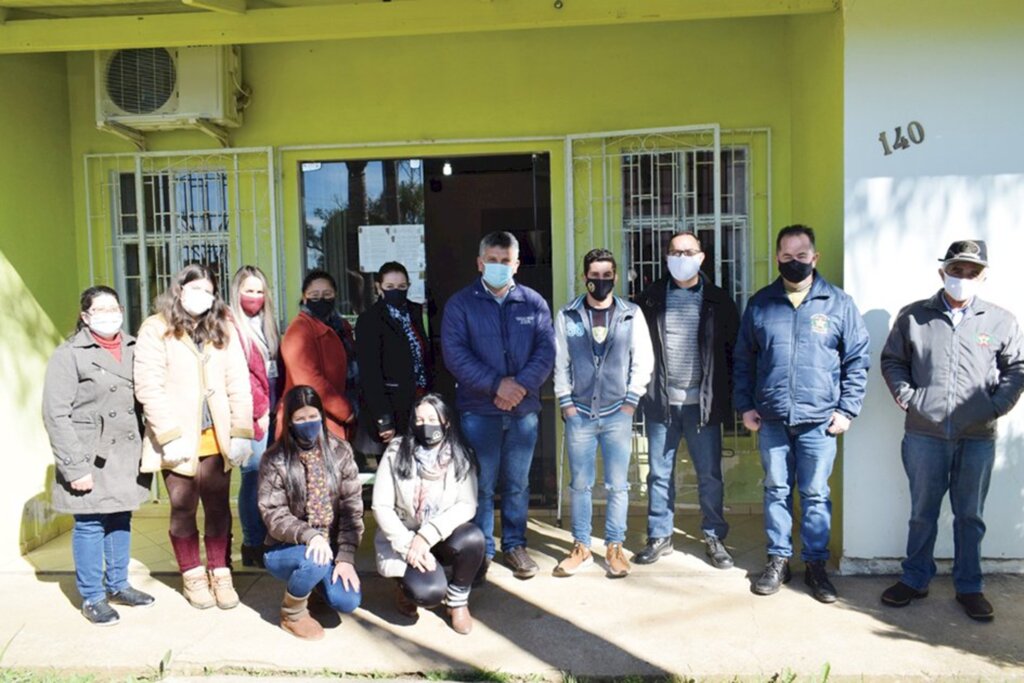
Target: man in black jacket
693 328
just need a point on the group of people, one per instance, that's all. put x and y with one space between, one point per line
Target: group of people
209 383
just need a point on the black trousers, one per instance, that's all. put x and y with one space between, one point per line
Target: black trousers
463 551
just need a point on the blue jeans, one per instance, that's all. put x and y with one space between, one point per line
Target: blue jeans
800 455
289 563
101 547
615 436
933 466
705 447
504 447
254 532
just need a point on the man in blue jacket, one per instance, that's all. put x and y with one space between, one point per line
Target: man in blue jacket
800 372
498 341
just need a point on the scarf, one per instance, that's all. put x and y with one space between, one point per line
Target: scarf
415 344
431 468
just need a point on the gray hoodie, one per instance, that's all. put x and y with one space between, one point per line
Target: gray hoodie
954 382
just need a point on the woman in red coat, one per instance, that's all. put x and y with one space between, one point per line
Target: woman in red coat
316 349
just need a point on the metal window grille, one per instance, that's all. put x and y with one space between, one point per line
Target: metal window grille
164 211
639 188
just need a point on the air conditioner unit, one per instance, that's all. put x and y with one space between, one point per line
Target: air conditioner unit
169 88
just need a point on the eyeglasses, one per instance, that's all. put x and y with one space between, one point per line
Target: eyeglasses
318 299
689 253
101 311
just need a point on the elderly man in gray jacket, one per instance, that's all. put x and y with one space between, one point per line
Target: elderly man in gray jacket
955 364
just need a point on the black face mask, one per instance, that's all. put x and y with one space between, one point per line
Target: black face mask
795 271
395 297
321 309
600 289
428 436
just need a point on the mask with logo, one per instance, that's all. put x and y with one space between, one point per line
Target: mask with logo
682 267
252 304
428 435
961 289
600 289
306 434
395 297
795 271
196 301
497 275
321 308
106 325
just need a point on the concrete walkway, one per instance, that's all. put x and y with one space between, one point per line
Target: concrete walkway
678 617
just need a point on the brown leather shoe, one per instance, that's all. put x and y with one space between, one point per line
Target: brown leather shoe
405 606
520 562
295 618
462 621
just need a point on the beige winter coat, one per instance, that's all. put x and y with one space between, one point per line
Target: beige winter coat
394 508
171 378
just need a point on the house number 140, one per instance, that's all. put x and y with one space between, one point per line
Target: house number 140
915 134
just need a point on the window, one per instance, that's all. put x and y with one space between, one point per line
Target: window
668 192
340 196
186 221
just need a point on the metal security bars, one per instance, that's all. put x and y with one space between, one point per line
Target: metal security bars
631 190
164 211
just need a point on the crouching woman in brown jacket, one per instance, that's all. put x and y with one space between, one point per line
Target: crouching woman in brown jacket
311 501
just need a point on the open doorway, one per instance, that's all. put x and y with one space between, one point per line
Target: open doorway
448 204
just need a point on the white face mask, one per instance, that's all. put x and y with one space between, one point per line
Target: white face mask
106 325
961 289
196 301
683 268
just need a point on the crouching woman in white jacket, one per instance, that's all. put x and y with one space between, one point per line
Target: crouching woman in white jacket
424 500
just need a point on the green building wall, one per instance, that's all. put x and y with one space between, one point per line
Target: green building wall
39 282
782 73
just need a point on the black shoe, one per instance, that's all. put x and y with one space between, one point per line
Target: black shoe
900 595
716 552
130 597
776 572
816 577
481 574
100 613
252 556
976 606
655 548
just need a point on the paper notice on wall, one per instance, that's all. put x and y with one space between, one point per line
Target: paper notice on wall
379 244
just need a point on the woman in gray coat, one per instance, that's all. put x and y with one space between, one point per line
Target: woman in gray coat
92 420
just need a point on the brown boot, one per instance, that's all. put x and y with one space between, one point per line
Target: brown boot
196 588
295 618
223 588
405 606
462 621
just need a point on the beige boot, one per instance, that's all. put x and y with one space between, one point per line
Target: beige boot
196 588
223 588
295 618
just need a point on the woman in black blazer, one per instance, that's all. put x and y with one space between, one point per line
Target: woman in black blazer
395 361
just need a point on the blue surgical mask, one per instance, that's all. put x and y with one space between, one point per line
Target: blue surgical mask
307 433
497 275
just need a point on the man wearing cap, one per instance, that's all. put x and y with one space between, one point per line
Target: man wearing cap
955 364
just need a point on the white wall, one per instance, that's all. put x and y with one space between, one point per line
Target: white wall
954 67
